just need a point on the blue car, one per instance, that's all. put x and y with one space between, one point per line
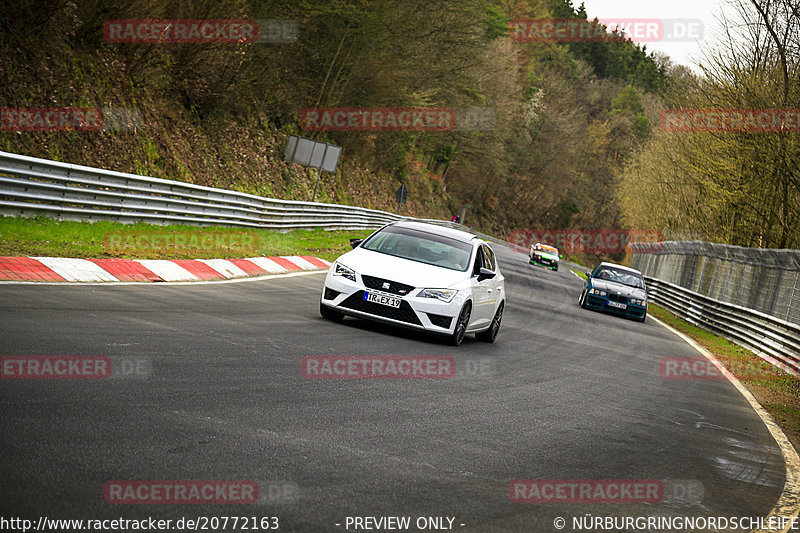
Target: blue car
615 289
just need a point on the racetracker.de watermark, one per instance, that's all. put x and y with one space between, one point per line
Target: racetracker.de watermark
378 119
200 492
180 492
374 119
640 30
66 119
701 368
377 367
180 241
200 31
74 367
606 241
753 120
586 491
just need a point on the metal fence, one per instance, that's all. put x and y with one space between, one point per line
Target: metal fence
761 279
32 186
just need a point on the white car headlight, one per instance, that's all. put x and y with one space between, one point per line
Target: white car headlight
346 272
445 295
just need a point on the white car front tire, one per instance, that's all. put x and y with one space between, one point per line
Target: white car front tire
462 322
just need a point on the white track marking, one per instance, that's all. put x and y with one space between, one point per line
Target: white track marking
225 267
75 269
267 264
167 270
302 263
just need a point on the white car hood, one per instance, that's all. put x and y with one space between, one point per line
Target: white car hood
402 270
618 288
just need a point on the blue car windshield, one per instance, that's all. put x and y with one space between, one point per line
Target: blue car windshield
622 277
421 246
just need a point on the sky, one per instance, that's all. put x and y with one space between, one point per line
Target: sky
698 19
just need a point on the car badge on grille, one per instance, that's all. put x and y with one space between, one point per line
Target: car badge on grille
385 285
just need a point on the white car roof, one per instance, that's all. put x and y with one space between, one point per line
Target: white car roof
621 267
438 230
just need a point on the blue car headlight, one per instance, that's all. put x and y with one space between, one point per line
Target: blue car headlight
346 272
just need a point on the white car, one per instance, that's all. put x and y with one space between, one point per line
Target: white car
419 276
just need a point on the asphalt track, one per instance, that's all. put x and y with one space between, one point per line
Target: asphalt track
564 393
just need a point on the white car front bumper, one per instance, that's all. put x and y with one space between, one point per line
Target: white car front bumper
429 314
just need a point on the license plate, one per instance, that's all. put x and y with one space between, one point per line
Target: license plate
381 299
617 305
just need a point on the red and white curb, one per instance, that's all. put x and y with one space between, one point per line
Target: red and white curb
111 270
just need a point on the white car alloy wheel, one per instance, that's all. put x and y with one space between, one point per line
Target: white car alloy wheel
490 335
461 325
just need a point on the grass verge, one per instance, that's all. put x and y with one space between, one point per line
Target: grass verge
776 391
42 236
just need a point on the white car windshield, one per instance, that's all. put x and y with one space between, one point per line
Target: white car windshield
542 249
421 246
620 276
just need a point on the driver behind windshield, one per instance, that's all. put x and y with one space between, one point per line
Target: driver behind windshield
458 259
405 249
621 277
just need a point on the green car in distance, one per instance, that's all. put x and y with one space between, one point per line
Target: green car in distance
544 255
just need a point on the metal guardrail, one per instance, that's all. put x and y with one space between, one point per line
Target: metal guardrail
771 338
766 280
33 186
750 296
